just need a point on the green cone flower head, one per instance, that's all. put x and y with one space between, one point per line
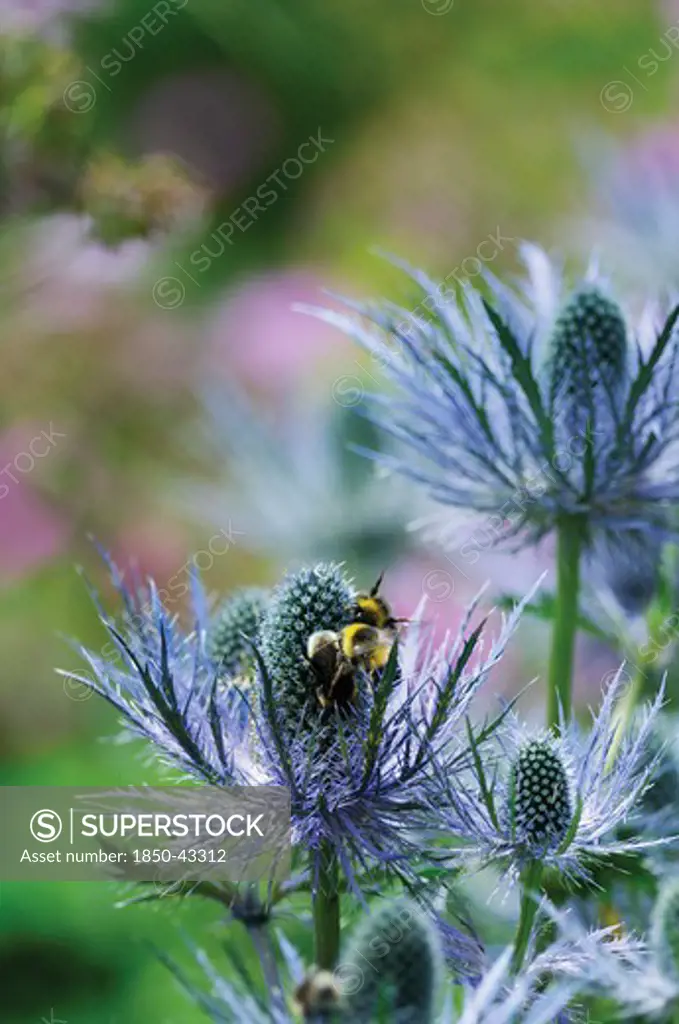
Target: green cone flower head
588 349
539 796
665 927
393 966
306 602
238 617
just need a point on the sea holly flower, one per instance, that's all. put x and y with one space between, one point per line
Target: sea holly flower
534 404
293 475
363 785
561 800
640 976
503 998
390 973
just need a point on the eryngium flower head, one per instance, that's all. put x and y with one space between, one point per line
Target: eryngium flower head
393 963
665 928
540 805
587 354
530 405
613 966
363 786
234 630
563 798
309 601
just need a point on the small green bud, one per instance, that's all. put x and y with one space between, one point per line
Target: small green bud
238 617
539 796
665 926
393 966
307 602
588 348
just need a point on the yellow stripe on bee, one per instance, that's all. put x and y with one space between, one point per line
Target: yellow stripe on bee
374 609
379 657
357 639
365 645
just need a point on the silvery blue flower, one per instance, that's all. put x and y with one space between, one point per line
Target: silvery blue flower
363 785
557 800
622 968
240 997
294 484
532 404
500 998
634 216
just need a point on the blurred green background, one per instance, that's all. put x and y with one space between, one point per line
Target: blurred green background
444 124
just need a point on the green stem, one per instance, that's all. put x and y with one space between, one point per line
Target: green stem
569 549
327 912
530 886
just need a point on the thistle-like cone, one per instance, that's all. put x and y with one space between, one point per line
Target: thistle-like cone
665 927
393 966
238 617
588 355
539 796
306 602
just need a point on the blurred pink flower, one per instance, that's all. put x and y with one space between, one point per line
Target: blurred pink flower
656 151
68 272
38 15
157 550
256 335
30 531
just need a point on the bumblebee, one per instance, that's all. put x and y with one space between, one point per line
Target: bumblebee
372 610
335 659
335 673
364 645
317 994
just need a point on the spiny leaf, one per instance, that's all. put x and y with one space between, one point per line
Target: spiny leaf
645 375
523 374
